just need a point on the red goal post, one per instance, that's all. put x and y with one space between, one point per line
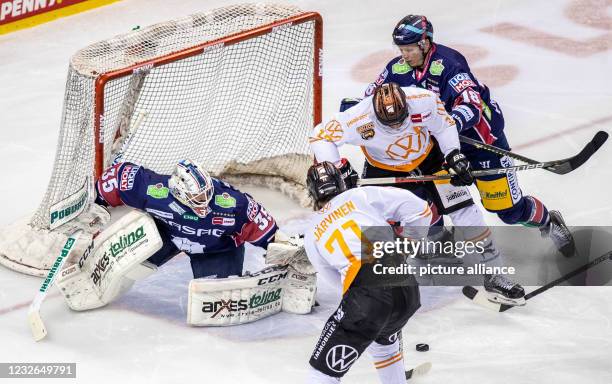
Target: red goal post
236 88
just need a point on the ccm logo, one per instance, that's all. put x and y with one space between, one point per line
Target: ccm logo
271 279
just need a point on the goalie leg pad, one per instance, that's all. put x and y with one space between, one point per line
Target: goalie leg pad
236 300
300 291
112 263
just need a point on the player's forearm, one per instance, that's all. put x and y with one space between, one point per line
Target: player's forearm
465 116
325 151
448 139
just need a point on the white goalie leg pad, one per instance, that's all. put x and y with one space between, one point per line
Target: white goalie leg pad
236 300
300 291
112 263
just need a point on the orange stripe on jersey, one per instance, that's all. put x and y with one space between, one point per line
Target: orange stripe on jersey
401 167
351 273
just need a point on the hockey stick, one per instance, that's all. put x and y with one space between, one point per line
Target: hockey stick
591 147
480 297
118 156
417 371
39 331
562 166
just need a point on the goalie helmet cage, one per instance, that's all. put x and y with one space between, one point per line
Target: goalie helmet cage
237 88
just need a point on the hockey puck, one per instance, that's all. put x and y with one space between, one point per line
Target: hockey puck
422 347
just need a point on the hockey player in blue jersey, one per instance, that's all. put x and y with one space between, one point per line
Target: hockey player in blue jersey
206 218
443 70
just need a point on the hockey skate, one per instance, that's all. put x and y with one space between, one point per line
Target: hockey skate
502 290
559 234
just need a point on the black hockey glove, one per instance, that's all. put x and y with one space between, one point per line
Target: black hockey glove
458 166
349 175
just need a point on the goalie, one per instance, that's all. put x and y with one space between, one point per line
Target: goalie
207 219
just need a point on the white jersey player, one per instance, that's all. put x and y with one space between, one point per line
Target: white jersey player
371 314
407 131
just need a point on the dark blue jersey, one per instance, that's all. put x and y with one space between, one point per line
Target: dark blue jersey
235 217
447 73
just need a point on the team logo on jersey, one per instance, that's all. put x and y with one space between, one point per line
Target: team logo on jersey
158 191
332 131
366 131
409 144
400 68
436 68
225 221
225 200
127 177
341 357
461 81
177 208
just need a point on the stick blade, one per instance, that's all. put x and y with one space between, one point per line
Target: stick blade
480 298
419 370
39 331
572 163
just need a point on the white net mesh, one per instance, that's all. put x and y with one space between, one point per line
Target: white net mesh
244 107
199 87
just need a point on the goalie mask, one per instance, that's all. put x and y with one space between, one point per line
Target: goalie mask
324 181
390 106
192 185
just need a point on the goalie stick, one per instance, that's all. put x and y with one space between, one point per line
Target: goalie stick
417 371
480 297
596 142
39 331
562 166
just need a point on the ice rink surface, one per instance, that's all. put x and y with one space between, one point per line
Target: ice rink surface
547 64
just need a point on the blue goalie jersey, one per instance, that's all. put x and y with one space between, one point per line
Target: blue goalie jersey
235 217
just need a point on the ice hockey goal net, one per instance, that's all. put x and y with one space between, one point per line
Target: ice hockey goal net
236 88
